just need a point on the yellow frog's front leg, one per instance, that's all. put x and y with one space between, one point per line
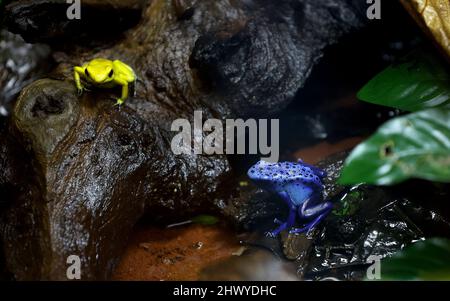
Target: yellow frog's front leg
78 72
124 96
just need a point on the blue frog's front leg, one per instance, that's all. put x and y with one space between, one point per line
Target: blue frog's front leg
291 217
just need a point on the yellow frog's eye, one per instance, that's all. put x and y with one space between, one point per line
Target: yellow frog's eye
87 73
111 73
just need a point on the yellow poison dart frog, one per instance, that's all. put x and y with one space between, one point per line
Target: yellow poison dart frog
105 73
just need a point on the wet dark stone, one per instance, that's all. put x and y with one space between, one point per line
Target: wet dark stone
94 170
112 168
20 64
16 186
261 61
184 9
253 208
47 21
296 247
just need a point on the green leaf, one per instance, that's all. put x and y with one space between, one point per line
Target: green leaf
412 146
205 220
424 260
420 82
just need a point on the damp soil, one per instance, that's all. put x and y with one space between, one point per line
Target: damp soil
175 254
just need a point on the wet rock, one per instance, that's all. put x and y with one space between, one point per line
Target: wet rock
267 56
95 169
17 185
281 41
48 21
372 221
184 9
252 208
296 246
20 64
103 168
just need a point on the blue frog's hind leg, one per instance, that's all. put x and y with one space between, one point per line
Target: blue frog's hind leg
285 197
311 225
306 212
318 212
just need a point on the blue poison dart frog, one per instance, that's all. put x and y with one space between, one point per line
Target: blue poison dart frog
300 186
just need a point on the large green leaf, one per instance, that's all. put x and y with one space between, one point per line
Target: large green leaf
420 82
412 146
424 260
